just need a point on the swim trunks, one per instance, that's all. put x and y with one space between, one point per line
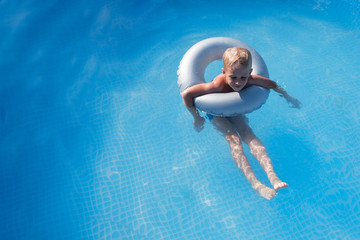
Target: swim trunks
209 116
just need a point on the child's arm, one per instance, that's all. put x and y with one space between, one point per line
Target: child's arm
295 102
197 90
188 96
269 84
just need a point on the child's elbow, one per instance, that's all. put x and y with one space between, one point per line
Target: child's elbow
185 95
270 84
274 85
188 100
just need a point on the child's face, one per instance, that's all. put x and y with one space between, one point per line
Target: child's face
237 76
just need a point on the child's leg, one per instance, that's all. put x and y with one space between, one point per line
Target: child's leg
257 149
227 129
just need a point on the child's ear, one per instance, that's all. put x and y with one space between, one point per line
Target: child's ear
223 71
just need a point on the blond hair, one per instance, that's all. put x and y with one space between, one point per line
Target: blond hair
237 55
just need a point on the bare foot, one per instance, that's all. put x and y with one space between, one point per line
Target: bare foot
280 184
276 182
265 191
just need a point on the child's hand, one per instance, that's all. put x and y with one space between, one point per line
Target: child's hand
198 123
295 103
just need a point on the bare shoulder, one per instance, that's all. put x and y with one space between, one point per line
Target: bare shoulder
218 84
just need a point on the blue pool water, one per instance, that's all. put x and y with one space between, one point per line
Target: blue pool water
95 142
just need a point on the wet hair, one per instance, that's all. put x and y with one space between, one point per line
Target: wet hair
237 55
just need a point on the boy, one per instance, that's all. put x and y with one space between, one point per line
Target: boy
236 75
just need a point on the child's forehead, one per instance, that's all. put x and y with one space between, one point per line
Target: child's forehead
237 69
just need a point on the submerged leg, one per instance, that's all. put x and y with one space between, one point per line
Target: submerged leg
241 161
258 150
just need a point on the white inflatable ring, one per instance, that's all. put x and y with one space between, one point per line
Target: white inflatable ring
191 72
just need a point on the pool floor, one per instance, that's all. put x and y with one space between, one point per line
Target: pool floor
95 142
